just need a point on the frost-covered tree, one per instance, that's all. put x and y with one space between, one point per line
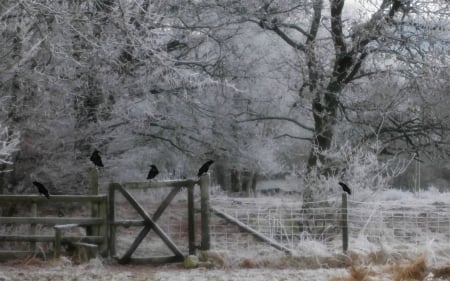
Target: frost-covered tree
364 71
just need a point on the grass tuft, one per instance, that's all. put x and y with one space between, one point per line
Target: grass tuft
248 263
442 272
413 271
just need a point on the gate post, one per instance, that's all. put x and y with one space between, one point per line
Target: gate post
111 219
93 190
191 220
205 211
344 223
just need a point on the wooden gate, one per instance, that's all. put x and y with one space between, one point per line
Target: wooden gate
149 222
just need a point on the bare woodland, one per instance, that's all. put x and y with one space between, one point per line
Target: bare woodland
354 90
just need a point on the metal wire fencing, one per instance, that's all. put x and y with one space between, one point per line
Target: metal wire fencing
319 224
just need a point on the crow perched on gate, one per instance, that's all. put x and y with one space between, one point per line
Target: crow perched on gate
345 188
96 159
153 172
204 168
42 189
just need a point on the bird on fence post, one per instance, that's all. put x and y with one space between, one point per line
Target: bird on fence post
153 172
41 188
345 188
96 159
204 168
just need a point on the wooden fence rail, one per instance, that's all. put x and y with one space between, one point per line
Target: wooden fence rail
98 225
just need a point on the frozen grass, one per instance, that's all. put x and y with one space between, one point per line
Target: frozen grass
351 267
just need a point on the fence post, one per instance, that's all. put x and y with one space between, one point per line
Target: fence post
57 245
103 228
344 222
111 220
33 225
93 190
205 211
93 181
191 220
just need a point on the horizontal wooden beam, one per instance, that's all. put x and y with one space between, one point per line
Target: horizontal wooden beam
157 260
53 198
6 255
157 184
50 238
66 226
51 220
128 223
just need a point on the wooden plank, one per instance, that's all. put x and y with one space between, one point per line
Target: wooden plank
57 243
162 207
103 228
155 184
156 260
93 190
127 256
191 221
128 223
6 255
111 217
51 220
86 245
150 224
93 181
205 212
50 238
53 198
252 231
33 225
66 226
344 223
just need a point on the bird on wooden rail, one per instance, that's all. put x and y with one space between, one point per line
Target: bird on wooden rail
345 188
204 168
41 188
96 159
153 172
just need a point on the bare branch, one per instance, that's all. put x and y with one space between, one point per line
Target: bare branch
281 118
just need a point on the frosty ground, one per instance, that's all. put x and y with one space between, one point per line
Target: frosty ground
96 270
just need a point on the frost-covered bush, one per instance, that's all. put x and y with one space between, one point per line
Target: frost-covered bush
360 167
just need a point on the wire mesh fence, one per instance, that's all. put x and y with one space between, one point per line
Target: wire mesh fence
293 225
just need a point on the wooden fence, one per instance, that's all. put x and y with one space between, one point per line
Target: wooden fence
97 225
101 224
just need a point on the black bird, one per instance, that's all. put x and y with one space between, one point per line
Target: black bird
345 188
96 159
204 168
42 189
153 172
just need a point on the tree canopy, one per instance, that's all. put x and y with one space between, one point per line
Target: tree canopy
265 85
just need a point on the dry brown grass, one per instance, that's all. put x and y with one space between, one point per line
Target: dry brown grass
357 273
248 263
442 272
415 270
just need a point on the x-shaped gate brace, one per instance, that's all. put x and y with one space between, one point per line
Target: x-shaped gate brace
150 223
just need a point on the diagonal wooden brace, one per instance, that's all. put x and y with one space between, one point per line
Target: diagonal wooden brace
150 223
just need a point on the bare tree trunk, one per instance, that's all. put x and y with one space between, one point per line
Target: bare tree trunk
235 180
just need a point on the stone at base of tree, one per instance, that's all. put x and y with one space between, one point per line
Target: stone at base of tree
191 261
